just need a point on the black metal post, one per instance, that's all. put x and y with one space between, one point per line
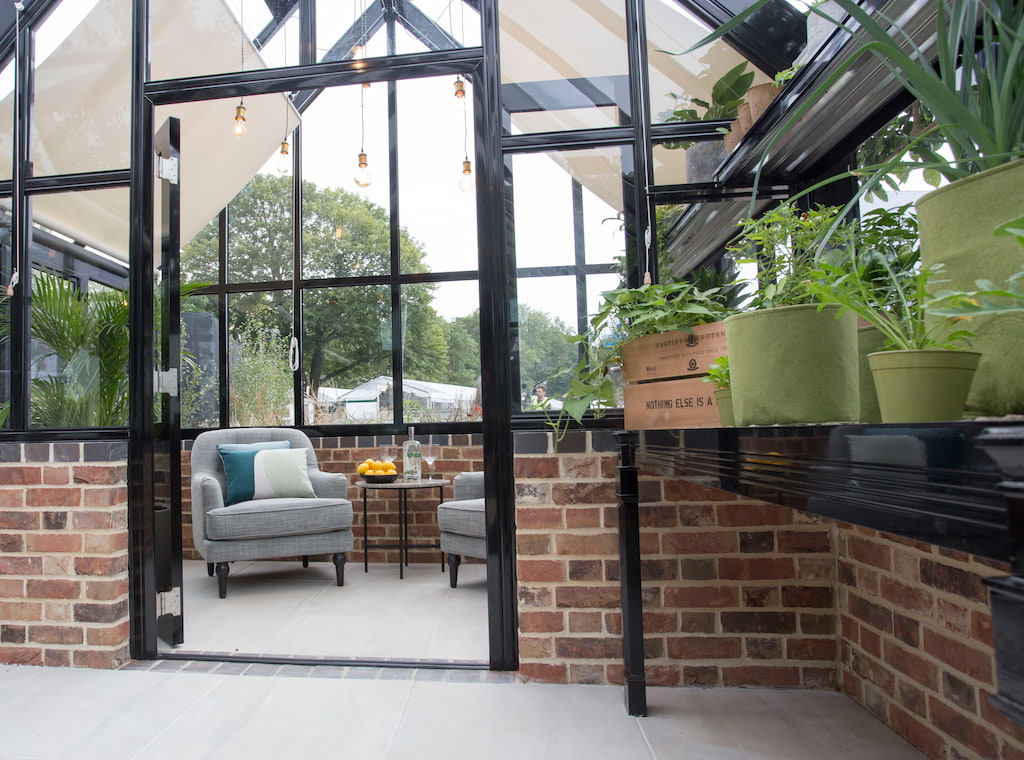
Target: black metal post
629 572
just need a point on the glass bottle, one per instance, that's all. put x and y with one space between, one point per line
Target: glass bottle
412 460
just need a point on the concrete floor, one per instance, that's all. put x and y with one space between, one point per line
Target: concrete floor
281 608
164 710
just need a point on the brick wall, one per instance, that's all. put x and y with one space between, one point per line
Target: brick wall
736 592
64 554
459 453
917 644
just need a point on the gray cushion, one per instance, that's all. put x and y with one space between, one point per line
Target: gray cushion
463 517
278 517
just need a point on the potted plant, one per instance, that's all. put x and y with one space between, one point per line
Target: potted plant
718 375
921 374
790 361
977 101
727 95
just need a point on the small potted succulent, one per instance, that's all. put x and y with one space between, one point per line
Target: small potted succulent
718 375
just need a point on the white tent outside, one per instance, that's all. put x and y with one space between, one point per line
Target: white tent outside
367 401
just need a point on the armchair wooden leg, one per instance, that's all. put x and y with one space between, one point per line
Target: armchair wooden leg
339 567
209 569
222 579
305 560
454 560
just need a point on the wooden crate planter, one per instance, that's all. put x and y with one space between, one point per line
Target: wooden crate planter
663 373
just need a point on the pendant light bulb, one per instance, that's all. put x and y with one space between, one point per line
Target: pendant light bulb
460 95
363 174
239 128
365 95
284 158
467 182
358 53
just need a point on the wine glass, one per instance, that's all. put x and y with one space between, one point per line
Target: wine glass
430 452
388 453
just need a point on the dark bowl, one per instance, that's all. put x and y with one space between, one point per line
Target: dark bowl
381 478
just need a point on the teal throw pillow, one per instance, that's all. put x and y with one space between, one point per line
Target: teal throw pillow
266 474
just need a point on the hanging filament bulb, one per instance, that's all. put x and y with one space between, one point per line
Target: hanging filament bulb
467 182
239 128
363 174
284 158
365 95
359 53
460 94
338 232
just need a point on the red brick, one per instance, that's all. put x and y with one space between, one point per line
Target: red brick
685 490
981 627
56 476
15 475
953 580
581 546
586 622
871 641
960 728
535 518
908 597
105 497
54 543
587 596
688 597
744 514
53 589
758 622
109 635
579 517
55 634
701 675
917 733
108 612
544 672
871 613
911 665
696 515
991 714
534 597
954 618
976 664
533 545
101 566
697 622
807 596
658 622
811 649
761 675
869 552
99 474
106 543
756 568
535 467
763 649
703 542
11 497
815 569
662 675
53 497
100 659
24 611
584 493
21 656
21 565
586 648
704 648
793 541
874 672
539 621
536 648
540 570
19 520
11 588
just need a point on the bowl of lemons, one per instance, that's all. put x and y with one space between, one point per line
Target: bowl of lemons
377 471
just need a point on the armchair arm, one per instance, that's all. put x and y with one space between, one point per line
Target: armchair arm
206 495
332 485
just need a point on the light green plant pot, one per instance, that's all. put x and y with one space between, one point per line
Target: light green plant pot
923 386
723 398
869 340
793 364
956 225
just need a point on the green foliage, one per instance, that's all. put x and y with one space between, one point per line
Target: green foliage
911 139
877 276
718 373
261 380
784 242
727 94
545 348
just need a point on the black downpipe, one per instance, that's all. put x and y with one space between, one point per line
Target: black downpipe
21 239
141 565
495 350
629 563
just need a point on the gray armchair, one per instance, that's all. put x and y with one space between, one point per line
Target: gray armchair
266 528
462 522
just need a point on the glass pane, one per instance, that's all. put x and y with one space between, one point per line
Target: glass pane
564 64
5 310
97 220
195 37
199 257
678 163
6 119
568 207
345 29
681 85
346 344
259 330
260 230
442 356
346 228
82 89
430 168
200 362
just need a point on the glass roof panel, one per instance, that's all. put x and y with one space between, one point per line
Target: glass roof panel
564 64
678 81
7 123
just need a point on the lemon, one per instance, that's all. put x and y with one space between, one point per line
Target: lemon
362 468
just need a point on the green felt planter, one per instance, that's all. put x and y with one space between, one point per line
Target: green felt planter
923 386
723 397
793 364
869 340
956 225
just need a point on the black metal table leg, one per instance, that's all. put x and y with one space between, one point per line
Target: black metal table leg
366 538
